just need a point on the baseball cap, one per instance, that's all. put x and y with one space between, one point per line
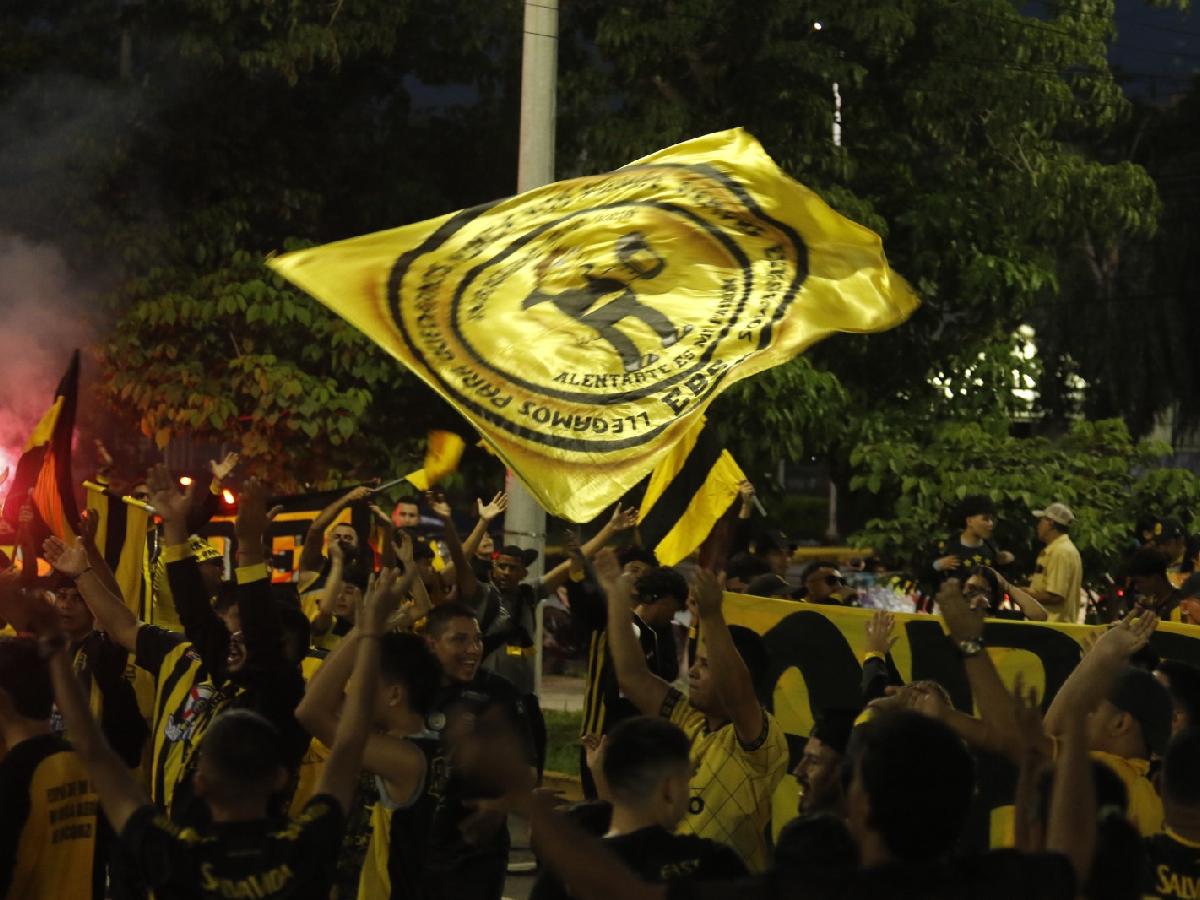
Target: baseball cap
1056 512
1140 694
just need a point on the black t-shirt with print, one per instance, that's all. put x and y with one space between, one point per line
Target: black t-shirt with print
1172 866
271 860
985 554
659 856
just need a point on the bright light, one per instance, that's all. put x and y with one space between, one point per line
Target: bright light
817 26
185 480
228 497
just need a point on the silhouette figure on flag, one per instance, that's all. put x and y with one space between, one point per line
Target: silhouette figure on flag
636 261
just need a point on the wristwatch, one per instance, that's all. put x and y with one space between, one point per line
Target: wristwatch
970 648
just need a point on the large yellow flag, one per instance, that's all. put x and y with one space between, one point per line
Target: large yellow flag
583 325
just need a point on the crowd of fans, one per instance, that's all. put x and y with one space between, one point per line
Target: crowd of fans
367 729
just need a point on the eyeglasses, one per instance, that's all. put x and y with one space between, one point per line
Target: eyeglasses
832 580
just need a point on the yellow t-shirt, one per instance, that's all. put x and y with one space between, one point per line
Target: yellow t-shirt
731 784
48 810
1060 571
1145 806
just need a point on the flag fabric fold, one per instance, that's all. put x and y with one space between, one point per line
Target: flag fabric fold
687 494
582 327
43 473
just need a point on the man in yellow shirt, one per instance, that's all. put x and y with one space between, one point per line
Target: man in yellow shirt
739 753
1058 579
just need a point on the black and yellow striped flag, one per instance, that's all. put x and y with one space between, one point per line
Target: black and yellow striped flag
687 494
122 535
43 473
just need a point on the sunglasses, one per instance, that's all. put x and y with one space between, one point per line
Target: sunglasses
831 580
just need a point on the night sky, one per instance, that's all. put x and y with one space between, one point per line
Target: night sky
1157 51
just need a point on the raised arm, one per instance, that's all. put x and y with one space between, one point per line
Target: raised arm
1071 829
729 673
314 540
1029 605
323 620
487 514
997 716
201 623
464 572
352 731
1093 678
112 615
120 793
643 688
622 520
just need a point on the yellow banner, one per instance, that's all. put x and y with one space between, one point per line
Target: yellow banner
583 325
815 654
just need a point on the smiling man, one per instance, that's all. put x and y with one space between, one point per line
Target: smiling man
476 848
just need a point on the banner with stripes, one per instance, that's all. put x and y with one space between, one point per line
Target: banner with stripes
687 494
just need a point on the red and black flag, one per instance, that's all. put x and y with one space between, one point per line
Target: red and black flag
43 473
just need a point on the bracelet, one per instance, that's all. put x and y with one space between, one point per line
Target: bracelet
873 654
81 574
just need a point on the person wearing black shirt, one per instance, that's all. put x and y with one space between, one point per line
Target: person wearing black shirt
407 762
908 798
643 773
242 763
466 851
1173 856
1146 571
973 546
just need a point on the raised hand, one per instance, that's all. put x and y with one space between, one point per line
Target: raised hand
1128 636
252 521
379 602
1031 735
166 498
964 623
607 568
593 750
86 527
358 494
623 519
708 590
879 630
490 511
69 559
220 470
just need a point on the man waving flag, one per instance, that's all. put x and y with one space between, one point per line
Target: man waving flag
583 326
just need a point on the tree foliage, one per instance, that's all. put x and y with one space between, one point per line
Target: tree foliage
251 125
919 478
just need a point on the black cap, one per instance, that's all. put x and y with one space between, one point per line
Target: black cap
768 585
1140 694
1171 530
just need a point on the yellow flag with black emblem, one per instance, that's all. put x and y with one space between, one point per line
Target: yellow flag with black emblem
582 326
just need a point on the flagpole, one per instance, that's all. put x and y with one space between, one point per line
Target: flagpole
525 520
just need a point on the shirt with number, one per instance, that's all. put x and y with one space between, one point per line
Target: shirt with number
1172 866
48 822
267 860
1060 571
732 783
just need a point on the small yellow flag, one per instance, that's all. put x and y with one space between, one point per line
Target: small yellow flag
581 326
443 450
